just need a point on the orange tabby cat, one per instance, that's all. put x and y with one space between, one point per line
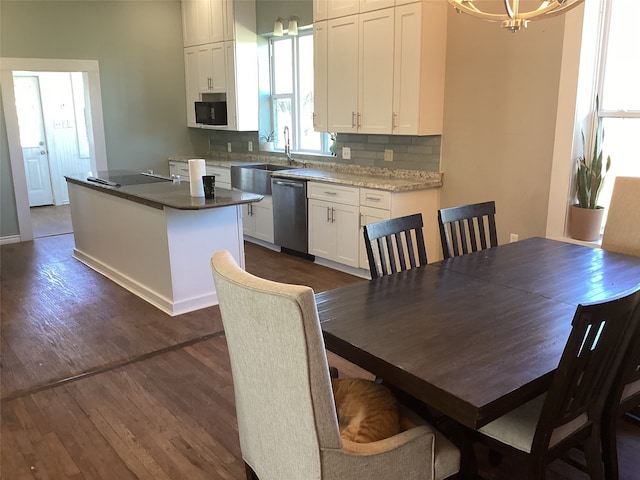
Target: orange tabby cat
367 411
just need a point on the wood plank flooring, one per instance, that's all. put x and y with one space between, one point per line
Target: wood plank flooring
97 384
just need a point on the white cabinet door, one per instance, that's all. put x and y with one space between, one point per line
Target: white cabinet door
375 72
368 5
341 8
322 232
333 231
216 14
406 83
320 77
212 69
195 22
320 10
257 219
263 218
346 219
342 74
419 76
369 215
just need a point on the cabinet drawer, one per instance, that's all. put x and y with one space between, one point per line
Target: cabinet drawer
179 168
375 198
223 175
333 193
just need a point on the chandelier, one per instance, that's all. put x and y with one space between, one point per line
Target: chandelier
510 15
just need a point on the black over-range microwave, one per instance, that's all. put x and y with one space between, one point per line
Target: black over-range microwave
211 113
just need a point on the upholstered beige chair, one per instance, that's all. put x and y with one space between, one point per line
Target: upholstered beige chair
622 230
284 401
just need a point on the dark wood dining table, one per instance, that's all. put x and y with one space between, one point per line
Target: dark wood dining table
478 335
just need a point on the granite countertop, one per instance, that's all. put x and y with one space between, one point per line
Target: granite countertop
389 179
158 192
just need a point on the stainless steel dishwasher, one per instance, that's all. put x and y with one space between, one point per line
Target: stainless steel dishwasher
290 214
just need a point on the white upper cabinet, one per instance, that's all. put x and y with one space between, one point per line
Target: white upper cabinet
320 10
385 70
327 9
342 8
212 68
342 74
229 68
369 5
375 72
202 21
360 72
419 68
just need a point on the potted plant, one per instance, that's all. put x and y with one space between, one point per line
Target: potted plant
268 141
586 215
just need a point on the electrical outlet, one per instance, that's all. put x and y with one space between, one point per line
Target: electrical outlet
250 146
513 237
346 153
388 155
229 147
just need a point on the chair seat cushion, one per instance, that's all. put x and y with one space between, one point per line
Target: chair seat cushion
518 427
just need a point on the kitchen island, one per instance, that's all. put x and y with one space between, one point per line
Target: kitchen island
147 234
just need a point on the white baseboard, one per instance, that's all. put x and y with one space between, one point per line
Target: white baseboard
358 272
162 303
9 239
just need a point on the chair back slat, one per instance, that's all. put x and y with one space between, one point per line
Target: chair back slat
467 229
395 245
593 353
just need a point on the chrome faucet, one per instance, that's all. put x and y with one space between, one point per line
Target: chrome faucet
287 145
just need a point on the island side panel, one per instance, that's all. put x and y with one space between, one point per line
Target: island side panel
194 236
123 240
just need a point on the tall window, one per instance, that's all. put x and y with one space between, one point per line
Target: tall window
292 93
618 88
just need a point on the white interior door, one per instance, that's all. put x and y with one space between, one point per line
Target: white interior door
33 141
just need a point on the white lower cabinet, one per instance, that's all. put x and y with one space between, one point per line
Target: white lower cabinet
334 223
257 219
222 174
369 215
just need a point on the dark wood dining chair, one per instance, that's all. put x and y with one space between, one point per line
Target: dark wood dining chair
467 228
395 245
624 397
570 413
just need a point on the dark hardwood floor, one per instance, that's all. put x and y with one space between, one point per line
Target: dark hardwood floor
97 384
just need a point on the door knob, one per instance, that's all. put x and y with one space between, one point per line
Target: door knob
43 152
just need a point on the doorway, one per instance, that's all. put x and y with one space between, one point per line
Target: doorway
64 97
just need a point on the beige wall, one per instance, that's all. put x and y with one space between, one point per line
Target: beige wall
500 110
138 45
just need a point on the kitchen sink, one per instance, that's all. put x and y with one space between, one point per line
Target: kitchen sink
254 178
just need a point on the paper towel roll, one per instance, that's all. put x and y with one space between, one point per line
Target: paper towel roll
197 169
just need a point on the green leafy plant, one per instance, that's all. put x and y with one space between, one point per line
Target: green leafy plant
590 176
268 137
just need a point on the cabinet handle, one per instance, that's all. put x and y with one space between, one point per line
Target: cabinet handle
314 119
328 214
372 199
353 119
333 194
361 224
358 120
393 120
333 218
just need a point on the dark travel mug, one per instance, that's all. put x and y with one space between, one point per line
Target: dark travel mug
209 183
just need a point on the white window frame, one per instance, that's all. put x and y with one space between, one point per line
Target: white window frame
294 97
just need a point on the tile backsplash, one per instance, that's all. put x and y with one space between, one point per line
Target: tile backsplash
409 152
